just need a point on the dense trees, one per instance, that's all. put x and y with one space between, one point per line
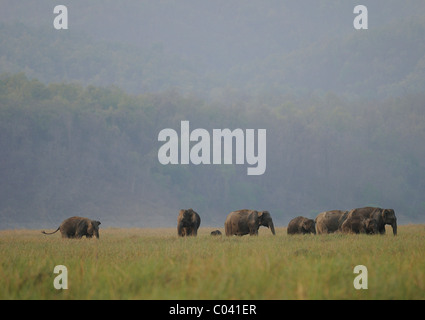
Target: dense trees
69 149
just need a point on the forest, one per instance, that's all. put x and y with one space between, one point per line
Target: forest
69 149
81 109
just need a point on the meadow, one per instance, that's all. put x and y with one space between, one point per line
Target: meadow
156 264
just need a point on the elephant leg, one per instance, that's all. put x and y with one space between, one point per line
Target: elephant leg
80 233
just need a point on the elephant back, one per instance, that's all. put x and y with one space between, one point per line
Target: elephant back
330 221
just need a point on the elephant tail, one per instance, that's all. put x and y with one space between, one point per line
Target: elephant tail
51 232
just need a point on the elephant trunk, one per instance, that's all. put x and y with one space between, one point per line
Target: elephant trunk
271 226
394 225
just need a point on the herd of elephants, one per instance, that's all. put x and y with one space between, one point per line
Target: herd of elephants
368 220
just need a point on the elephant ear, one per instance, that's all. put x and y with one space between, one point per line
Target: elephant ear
264 214
259 215
90 227
384 214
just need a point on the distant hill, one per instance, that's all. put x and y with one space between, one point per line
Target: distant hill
207 48
51 56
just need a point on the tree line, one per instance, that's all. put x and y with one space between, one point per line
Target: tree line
69 149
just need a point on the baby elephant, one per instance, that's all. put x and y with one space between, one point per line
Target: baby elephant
78 227
355 224
301 225
216 233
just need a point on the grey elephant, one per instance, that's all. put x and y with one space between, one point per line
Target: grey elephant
188 223
301 225
78 227
356 224
381 216
246 221
330 221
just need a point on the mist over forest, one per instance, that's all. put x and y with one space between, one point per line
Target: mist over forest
81 109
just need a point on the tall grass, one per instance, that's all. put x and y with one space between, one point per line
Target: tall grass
156 264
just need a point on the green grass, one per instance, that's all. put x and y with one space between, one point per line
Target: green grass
156 264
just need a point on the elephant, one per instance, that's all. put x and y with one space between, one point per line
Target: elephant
356 224
382 217
330 221
78 227
188 223
301 225
216 233
246 221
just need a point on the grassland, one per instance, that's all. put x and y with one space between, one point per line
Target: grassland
155 264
